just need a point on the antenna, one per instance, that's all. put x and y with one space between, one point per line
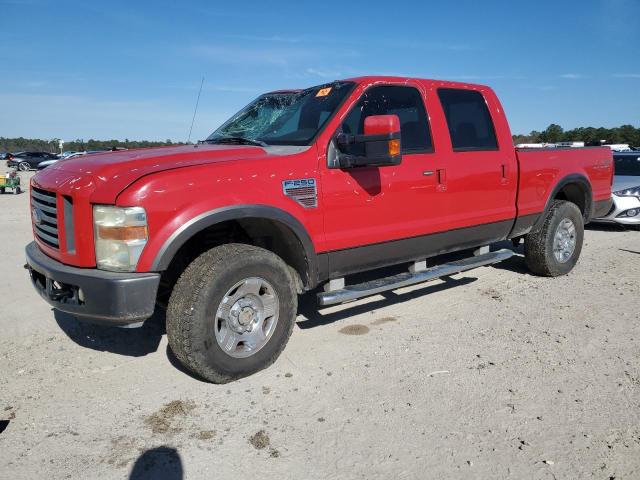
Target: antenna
195 110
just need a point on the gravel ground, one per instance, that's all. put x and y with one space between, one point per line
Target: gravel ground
492 374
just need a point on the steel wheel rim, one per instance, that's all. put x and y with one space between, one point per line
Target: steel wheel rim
564 241
246 317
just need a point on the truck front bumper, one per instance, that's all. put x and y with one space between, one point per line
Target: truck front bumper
90 294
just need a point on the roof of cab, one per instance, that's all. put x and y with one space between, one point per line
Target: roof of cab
370 79
424 81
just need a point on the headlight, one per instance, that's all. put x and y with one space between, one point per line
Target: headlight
120 235
628 192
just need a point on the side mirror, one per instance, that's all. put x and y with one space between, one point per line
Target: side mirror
378 147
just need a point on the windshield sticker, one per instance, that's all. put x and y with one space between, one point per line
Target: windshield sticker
323 92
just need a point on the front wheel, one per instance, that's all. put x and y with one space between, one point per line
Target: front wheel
554 248
24 166
231 312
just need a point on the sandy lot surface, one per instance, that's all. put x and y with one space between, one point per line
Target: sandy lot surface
493 374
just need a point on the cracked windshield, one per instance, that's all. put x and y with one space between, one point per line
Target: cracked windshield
283 118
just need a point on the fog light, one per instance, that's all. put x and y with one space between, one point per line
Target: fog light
633 212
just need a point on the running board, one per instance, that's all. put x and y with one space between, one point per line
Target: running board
353 292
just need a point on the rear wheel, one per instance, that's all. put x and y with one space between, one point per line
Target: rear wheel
24 166
554 248
231 312
16 190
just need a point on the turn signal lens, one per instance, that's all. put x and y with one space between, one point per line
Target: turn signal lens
394 147
122 233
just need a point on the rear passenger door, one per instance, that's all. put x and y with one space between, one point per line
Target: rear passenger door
477 176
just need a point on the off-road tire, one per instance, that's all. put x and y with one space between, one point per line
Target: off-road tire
195 299
538 245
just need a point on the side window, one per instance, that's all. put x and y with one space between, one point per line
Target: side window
406 103
468 119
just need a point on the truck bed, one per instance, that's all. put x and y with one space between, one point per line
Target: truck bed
541 170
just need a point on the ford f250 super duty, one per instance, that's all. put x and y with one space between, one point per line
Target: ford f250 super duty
294 193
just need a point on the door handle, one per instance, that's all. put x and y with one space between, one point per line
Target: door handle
505 172
427 173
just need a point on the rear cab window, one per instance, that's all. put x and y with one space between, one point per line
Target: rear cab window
468 119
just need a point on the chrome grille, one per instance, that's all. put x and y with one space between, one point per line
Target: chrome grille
45 216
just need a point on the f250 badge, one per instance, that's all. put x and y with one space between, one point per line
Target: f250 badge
303 190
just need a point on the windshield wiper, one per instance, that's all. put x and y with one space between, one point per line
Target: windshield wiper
236 141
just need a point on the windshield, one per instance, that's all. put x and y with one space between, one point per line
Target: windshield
283 118
627 164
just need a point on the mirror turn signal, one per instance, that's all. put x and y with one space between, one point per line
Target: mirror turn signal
394 147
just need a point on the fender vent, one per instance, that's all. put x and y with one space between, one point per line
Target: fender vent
304 191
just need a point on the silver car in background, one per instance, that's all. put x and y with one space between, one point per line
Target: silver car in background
43 165
626 190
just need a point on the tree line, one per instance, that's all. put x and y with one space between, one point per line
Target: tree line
38 145
590 135
552 134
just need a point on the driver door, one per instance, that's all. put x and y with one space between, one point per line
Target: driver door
373 214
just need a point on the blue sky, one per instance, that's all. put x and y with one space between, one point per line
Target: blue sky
132 70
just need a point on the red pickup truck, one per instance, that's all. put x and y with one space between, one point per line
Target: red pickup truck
295 192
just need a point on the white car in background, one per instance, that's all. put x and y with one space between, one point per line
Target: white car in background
626 190
619 147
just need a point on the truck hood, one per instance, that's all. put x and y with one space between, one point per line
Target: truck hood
112 172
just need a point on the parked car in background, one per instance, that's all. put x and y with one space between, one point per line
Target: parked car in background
44 165
626 190
68 155
8 155
25 161
618 147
